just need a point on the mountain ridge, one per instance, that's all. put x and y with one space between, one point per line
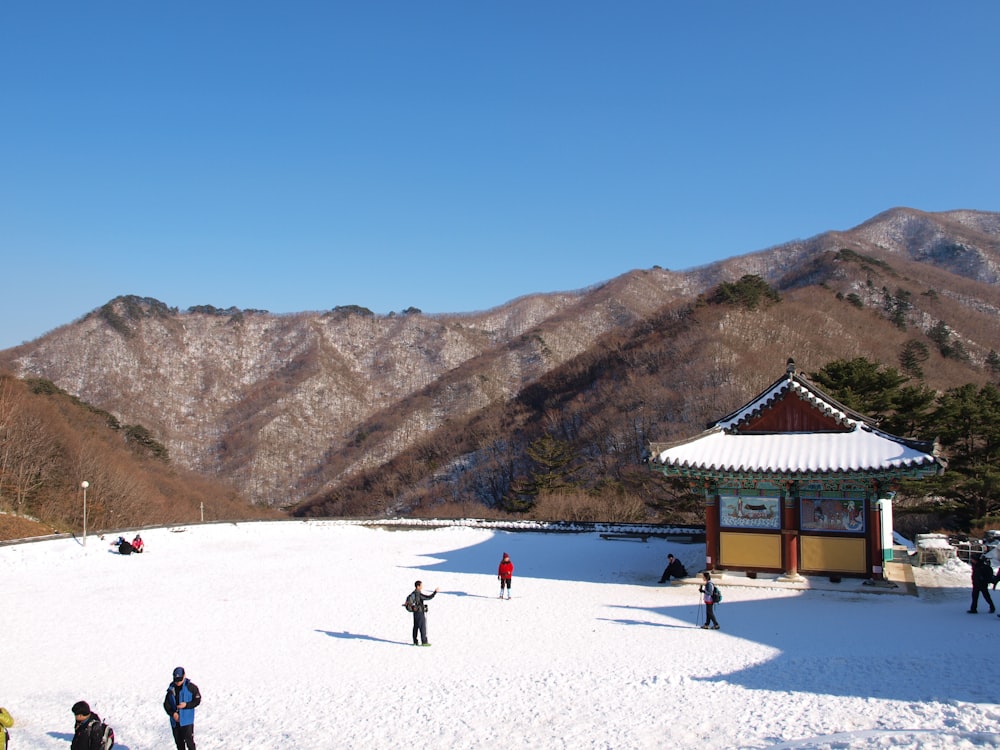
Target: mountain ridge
291 407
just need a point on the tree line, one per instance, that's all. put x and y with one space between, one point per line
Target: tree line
50 442
964 419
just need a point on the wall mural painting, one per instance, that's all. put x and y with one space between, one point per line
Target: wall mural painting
736 511
825 514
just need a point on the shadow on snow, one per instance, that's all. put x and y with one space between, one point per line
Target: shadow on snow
842 644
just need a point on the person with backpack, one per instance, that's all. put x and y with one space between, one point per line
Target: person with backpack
982 577
675 569
707 590
505 572
415 604
89 730
6 722
182 698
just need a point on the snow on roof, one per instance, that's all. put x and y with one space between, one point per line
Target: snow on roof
861 449
822 404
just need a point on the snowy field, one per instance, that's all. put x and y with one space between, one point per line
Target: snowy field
296 636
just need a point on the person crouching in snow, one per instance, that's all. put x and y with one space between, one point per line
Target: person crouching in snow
505 572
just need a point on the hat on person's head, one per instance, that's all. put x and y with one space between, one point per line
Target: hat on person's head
506 555
179 673
81 708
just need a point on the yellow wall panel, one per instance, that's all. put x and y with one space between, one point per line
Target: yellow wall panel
834 554
737 550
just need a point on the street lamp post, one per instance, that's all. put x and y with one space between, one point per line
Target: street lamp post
85 484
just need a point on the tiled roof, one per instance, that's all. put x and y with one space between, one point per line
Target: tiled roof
859 450
848 442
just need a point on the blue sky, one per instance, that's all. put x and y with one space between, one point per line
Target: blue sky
452 156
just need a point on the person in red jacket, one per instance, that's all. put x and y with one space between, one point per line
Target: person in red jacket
505 572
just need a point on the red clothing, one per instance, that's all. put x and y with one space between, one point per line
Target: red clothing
506 569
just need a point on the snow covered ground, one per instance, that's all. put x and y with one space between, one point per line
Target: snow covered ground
296 636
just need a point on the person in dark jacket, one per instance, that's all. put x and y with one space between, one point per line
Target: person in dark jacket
982 577
675 569
182 698
420 613
505 572
87 730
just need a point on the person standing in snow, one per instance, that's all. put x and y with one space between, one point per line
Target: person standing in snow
420 613
505 572
87 730
675 569
707 589
6 722
182 698
982 577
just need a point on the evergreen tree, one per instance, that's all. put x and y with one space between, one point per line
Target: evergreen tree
967 421
554 464
913 354
993 362
862 385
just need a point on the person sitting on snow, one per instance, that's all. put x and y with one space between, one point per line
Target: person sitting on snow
137 543
675 569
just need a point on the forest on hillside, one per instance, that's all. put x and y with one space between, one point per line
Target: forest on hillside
573 445
51 442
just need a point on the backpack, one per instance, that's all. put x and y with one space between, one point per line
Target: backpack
411 602
716 595
101 729
107 735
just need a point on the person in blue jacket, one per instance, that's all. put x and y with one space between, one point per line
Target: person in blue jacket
182 698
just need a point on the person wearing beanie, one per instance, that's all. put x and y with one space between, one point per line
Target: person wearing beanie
87 730
182 698
505 572
6 722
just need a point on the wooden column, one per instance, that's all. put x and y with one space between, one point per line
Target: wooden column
790 534
874 539
711 527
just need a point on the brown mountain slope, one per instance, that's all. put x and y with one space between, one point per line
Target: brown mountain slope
315 405
50 442
661 379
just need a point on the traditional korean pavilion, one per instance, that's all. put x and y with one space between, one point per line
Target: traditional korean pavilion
796 482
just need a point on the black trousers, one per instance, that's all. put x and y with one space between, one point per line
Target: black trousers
985 589
420 626
184 737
